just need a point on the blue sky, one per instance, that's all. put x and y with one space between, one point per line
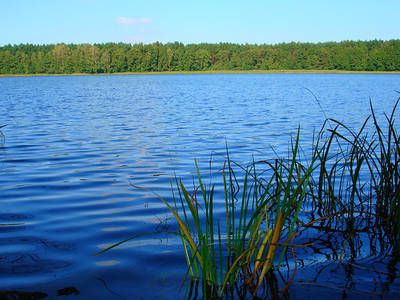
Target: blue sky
246 21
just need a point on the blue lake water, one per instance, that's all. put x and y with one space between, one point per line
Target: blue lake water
75 146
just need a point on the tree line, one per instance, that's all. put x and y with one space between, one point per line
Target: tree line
375 55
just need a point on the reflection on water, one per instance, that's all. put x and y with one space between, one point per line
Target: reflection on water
75 147
24 295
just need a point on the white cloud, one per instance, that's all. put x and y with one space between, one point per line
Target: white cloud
132 21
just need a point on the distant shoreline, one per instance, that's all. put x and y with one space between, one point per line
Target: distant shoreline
208 72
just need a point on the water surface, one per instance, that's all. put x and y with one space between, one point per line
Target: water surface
75 146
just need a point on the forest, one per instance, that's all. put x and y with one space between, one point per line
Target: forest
375 55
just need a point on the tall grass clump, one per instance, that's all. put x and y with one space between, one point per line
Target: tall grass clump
348 185
363 177
236 233
240 250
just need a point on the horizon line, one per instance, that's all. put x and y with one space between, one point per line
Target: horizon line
199 43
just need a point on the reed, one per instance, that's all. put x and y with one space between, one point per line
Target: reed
369 175
350 181
346 186
261 218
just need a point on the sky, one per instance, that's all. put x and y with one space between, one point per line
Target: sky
236 21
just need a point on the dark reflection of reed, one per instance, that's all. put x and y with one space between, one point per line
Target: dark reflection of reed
2 137
36 295
22 295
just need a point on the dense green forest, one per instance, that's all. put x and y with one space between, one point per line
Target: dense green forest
373 55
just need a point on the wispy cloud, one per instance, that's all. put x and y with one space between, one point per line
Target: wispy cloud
132 21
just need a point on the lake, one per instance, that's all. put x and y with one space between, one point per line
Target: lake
76 149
